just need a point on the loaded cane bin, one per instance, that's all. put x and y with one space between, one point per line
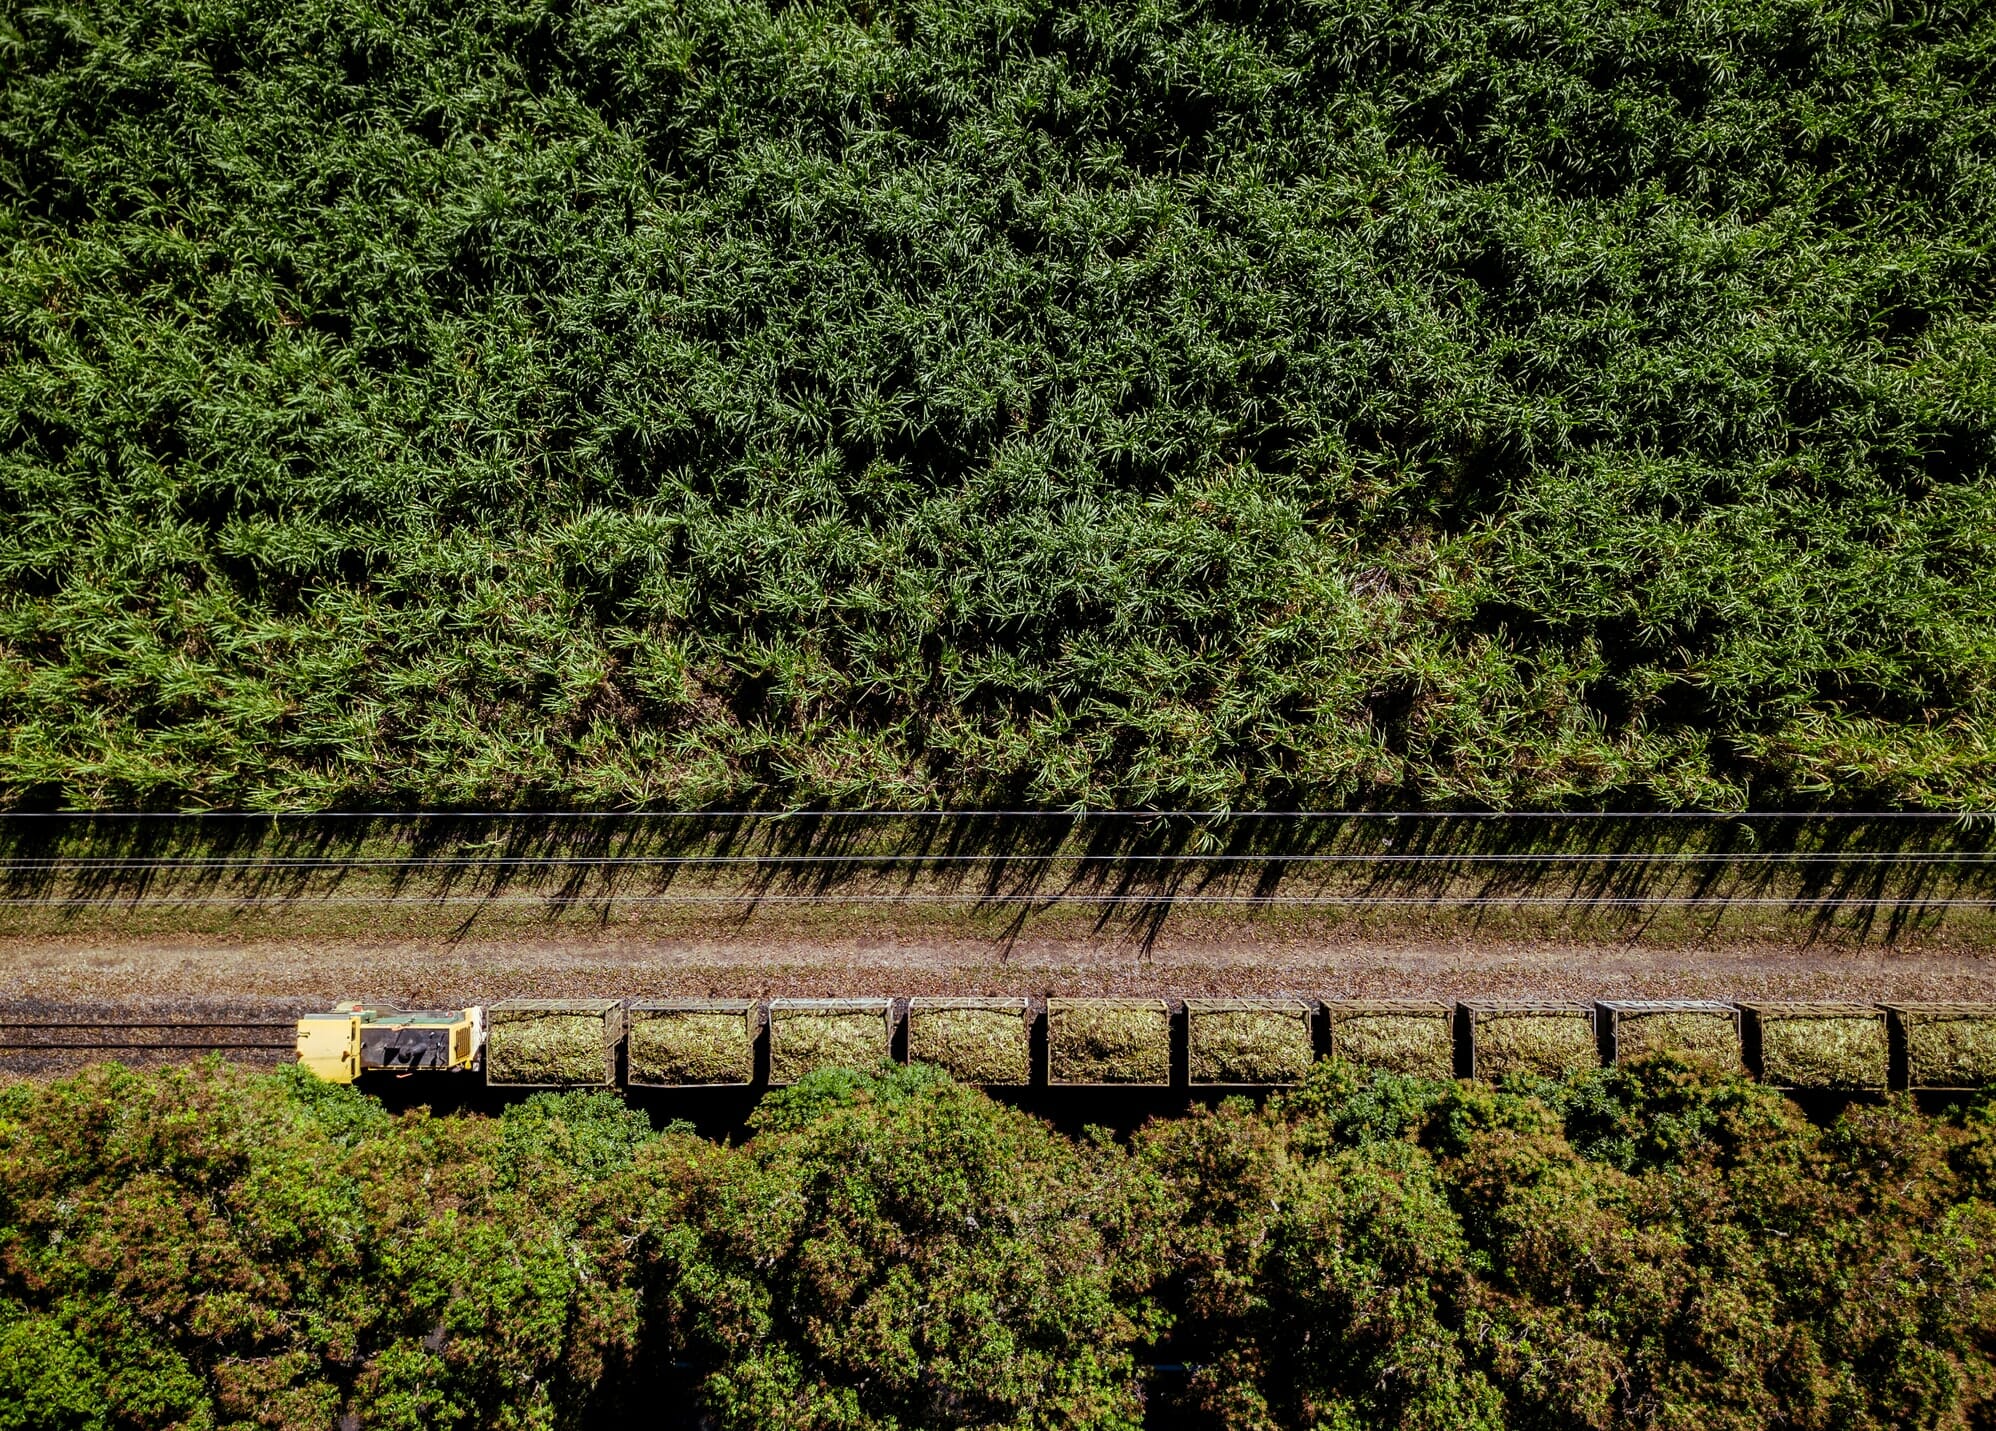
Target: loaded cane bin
553 1043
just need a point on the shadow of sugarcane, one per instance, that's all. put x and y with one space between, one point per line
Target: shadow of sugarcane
1866 877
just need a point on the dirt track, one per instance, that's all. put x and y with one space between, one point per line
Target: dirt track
165 971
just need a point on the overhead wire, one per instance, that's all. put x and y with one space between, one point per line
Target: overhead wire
307 864
469 815
906 862
921 897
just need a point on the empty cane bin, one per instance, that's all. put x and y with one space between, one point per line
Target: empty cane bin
1819 1046
1701 1032
987 1041
1415 1037
1123 1042
1949 1047
691 1043
1249 1042
806 1035
553 1043
1538 1040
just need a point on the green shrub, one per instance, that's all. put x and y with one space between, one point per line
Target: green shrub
208 1247
1635 1247
1643 1246
1319 1288
895 1249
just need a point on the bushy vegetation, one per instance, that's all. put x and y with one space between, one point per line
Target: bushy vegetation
687 401
899 1251
211 1249
1629 1249
1648 1246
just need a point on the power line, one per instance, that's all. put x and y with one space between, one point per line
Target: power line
1355 901
197 864
997 814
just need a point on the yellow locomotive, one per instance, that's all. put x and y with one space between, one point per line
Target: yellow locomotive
357 1038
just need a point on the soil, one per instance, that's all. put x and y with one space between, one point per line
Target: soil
171 970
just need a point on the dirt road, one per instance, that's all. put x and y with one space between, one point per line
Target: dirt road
1206 956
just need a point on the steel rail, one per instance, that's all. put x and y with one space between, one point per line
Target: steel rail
78 1029
8 1025
76 1047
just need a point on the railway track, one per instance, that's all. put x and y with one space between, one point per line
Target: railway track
144 1035
54 1040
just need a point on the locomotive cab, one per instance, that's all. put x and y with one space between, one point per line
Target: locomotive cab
329 1046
